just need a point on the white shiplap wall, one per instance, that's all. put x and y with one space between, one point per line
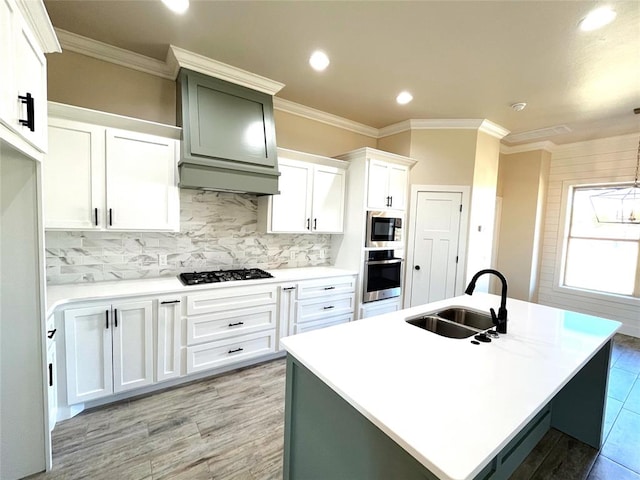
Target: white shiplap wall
597 161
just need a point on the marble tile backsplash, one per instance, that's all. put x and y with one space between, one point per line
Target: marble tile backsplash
217 230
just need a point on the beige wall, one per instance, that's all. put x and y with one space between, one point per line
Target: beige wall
522 178
306 135
400 143
445 157
86 82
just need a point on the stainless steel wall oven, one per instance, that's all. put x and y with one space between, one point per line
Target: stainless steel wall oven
382 275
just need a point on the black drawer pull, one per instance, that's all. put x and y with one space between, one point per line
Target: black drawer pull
239 349
106 313
30 121
51 333
289 288
115 317
329 307
166 302
329 288
236 324
51 374
110 217
95 216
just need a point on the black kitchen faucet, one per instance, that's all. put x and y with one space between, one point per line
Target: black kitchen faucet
500 320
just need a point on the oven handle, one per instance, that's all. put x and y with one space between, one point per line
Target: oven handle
384 262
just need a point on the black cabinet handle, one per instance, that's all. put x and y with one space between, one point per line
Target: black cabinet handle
315 223
236 324
391 201
95 216
329 288
388 201
236 350
106 312
166 302
51 333
308 224
30 121
110 217
329 307
51 374
115 317
289 288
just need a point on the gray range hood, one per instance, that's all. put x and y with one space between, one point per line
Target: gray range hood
228 133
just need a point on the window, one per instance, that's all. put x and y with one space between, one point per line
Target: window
600 256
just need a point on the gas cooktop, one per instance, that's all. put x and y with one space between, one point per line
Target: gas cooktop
197 278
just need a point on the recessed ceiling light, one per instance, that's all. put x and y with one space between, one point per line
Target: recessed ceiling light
518 107
319 60
404 97
597 18
177 6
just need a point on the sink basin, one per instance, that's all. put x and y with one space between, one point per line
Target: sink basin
464 316
454 322
442 327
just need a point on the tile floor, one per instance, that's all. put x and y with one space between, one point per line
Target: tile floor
231 427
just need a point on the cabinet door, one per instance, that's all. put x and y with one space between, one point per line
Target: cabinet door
378 185
8 90
291 209
132 345
142 193
328 199
169 344
73 176
87 334
31 79
287 312
52 384
398 186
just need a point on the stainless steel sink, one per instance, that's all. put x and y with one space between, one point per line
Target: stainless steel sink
453 322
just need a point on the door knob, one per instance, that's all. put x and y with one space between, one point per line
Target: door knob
417 267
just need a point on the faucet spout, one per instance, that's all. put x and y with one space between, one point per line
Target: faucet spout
499 320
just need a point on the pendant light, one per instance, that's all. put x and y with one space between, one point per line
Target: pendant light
619 204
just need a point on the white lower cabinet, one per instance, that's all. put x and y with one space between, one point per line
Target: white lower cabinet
169 339
109 349
228 325
380 307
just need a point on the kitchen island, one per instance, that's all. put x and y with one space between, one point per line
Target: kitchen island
380 398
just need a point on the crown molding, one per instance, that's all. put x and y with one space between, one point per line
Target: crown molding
324 117
179 58
40 25
109 53
482 125
528 147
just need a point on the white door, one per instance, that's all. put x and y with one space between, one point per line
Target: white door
436 238
73 176
87 335
169 339
378 185
397 186
328 199
291 209
142 193
132 345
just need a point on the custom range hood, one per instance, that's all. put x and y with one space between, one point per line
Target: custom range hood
228 131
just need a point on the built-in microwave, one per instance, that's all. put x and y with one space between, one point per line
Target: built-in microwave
384 229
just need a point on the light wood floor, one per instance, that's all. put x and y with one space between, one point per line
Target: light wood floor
231 427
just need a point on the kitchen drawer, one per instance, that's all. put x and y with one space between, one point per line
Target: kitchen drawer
326 286
316 309
216 326
229 351
327 322
231 299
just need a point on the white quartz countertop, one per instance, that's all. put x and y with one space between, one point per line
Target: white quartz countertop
451 404
58 295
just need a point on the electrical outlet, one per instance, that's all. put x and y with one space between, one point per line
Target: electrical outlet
162 260
293 255
323 253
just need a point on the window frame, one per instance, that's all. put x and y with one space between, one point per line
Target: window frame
564 228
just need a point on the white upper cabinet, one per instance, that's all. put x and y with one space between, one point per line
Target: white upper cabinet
312 195
23 74
98 178
387 185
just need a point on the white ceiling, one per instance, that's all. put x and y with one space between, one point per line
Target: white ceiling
460 59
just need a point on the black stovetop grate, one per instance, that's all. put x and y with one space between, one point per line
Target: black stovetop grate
197 278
